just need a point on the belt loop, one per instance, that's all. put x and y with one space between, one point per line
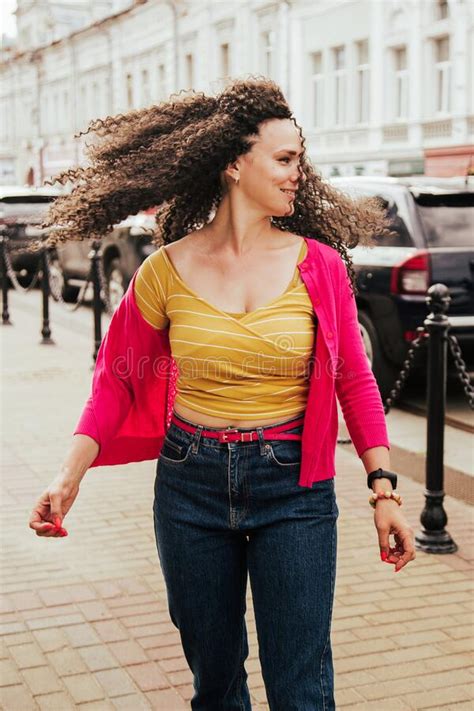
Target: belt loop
197 439
261 440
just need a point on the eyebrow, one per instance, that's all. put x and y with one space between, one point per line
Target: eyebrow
289 150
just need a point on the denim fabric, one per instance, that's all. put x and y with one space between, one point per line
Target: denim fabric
225 510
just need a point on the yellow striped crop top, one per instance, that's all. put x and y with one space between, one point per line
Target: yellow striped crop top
251 365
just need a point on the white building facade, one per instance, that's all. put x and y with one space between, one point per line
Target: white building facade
382 88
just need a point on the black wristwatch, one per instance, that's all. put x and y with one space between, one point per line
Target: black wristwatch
382 474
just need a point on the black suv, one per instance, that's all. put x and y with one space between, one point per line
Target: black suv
123 250
434 223
22 210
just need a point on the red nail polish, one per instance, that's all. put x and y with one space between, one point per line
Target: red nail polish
384 555
57 522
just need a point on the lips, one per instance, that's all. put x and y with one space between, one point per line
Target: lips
289 192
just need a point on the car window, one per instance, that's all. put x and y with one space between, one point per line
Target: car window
395 208
448 220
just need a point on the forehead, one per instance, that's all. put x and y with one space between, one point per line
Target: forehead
279 134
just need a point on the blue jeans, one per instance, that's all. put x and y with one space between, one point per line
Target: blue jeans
222 510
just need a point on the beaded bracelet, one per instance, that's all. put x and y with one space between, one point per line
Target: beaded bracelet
384 495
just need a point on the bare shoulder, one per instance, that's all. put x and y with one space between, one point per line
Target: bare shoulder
180 251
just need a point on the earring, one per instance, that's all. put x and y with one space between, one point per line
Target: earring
236 180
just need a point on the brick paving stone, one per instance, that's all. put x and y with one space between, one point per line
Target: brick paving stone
132 702
83 687
27 655
94 610
166 700
55 702
9 673
66 662
42 680
103 705
98 657
81 635
148 676
17 698
128 652
55 596
50 640
116 682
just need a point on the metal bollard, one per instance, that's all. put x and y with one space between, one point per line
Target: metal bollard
45 330
95 255
434 538
3 266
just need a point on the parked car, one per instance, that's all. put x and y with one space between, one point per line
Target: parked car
22 210
123 250
434 223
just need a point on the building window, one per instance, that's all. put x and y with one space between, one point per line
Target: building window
224 60
129 90
317 89
339 85
442 9
189 71
267 43
145 87
400 84
362 81
161 82
442 68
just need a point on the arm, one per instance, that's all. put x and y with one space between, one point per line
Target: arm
78 459
357 389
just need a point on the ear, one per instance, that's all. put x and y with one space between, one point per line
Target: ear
232 172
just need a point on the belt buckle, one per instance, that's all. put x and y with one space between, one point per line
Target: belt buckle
223 434
249 434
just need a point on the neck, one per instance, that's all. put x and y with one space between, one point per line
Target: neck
238 229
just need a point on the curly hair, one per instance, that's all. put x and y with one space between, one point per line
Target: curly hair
171 156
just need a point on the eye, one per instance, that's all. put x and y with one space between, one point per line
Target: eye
284 159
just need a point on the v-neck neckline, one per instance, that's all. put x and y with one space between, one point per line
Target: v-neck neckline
236 315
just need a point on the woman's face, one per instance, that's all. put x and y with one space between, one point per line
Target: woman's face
269 175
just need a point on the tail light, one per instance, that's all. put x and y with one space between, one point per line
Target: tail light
413 275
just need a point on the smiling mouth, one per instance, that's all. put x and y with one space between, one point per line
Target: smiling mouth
291 193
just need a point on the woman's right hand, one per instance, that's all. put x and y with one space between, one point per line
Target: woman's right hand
52 506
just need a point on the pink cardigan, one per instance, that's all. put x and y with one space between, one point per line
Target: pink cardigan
134 382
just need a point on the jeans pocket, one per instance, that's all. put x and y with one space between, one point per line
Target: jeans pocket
174 452
285 453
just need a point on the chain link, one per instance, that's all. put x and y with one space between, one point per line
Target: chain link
407 366
13 277
55 289
461 369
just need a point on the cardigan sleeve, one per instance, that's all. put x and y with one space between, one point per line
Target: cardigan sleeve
356 387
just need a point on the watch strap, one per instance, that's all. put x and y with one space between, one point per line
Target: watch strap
382 474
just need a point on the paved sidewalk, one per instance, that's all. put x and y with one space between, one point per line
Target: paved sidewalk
85 623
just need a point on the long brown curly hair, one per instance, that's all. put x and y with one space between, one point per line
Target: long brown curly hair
171 156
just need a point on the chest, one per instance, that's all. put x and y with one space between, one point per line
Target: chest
239 286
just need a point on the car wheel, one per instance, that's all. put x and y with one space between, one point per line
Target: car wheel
385 372
115 283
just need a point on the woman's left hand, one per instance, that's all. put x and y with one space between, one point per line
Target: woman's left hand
389 520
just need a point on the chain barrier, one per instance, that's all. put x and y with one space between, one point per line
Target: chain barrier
399 384
55 288
13 277
461 369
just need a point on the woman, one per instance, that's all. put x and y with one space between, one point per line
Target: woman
224 360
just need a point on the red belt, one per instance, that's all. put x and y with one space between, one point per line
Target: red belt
233 434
